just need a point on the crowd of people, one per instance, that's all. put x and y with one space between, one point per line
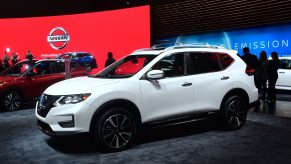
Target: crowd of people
6 62
265 71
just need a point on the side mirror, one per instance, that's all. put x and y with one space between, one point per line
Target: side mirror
155 74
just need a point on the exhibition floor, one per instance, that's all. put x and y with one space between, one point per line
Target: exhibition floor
264 139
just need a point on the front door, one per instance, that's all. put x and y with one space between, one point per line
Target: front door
170 96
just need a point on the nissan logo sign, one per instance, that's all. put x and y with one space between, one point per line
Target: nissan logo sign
58 38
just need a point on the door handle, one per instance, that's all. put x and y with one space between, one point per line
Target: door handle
225 78
186 84
281 72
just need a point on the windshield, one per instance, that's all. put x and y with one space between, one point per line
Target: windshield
18 68
126 67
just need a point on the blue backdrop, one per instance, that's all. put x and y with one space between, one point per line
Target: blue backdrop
271 38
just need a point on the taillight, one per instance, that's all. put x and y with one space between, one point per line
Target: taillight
250 70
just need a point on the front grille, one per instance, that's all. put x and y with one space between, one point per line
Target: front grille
45 104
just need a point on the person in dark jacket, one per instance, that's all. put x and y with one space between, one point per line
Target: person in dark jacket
29 55
14 58
273 76
110 59
251 61
262 74
6 61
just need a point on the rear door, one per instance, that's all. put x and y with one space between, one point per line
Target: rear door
211 79
284 74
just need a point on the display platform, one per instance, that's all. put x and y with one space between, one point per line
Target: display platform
264 139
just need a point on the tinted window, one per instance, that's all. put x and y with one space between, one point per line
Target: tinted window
41 68
171 65
86 54
204 62
57 67
285 64
80 55
225 59
49 67
18 68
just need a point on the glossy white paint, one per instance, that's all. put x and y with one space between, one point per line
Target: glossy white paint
284 75
155 99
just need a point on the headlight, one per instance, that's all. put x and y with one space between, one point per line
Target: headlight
71 99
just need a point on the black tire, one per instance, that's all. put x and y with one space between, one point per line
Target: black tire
234 112
115 130
88 67
11 101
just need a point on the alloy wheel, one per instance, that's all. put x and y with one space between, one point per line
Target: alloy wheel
12 101
117 131
235 113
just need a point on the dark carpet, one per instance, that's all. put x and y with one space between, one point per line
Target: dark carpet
264 139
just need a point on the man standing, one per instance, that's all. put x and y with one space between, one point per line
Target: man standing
110 59
6 61
14 58
251 61
29 55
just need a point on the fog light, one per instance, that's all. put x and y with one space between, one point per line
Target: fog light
68 123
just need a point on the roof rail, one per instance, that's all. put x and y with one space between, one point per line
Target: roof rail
178 45
198 45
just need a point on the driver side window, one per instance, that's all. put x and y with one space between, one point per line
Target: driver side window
40 69
173 65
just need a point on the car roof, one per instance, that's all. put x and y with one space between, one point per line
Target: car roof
285 57
49 60
156 50
76 53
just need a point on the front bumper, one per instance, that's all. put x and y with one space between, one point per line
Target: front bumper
65 119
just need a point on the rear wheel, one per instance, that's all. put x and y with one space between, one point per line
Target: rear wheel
115 130
11 101
88 67
234 112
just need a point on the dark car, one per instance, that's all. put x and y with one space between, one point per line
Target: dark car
26 80
84 59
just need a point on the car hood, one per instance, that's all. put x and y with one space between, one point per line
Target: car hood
77 85
7 78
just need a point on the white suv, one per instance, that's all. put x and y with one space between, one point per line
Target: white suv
150 86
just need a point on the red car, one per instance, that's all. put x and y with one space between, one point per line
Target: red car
27 80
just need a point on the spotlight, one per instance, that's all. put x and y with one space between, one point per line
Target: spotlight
8 50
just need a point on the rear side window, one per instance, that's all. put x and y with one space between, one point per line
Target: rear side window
285 64
57 67
225 60
87 54
204 63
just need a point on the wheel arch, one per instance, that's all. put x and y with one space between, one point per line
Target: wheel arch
235 91
128 105
16 89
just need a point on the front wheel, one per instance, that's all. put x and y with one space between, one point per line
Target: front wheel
11 101
234 112
115 130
